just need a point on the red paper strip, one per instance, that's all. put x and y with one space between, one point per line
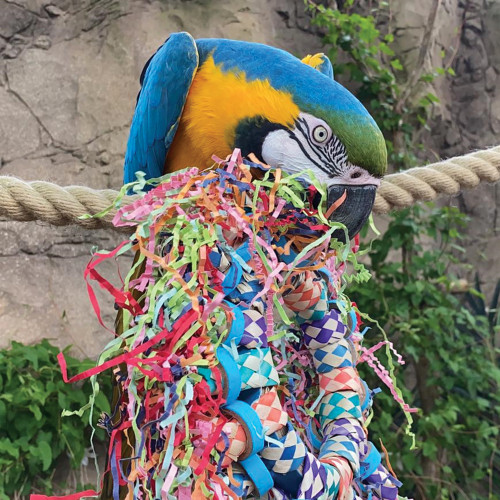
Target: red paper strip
123 298
180 325
73 496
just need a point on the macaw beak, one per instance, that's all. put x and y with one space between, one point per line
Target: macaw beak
354 211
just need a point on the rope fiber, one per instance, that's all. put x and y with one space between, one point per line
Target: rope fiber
60 206
447 177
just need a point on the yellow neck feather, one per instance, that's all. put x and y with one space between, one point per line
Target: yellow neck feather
216 103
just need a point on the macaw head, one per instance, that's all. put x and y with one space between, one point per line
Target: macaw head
331 134
293 115
313 144
210 96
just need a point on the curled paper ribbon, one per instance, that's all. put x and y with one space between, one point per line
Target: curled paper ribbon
229 351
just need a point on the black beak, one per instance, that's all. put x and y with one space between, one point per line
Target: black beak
354 211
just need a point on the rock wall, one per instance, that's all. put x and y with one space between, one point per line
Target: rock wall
475 124
68 82
465 38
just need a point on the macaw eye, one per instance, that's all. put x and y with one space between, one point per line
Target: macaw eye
320 134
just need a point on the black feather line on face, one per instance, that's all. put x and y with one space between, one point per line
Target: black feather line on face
307 136
332 155
301 146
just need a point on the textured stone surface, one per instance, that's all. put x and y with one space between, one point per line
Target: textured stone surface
468 117
19 131
68 80
474 115
69 74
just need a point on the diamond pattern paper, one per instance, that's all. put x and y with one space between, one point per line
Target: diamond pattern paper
339 405
268 408
257 368
345 491
332 480
255 329
287 458
341 379
342 446
316 313
327 330
237 440
306 294
383 484
350 427
333 356
313 483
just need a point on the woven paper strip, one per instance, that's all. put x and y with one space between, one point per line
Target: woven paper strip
314 482
308 300
327 330
345 427
285 458
332 480
332 356
237 441
245 487
255 330
341 446
383 484
270 411
316 314
305 294
345 490
339 405
341 379
257 368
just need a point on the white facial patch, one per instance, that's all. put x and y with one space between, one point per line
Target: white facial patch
280 151
306 148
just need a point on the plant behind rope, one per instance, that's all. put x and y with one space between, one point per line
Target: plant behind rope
452 374
34 436
452 365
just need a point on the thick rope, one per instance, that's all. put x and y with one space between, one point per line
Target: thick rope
60 206
447 177
57 205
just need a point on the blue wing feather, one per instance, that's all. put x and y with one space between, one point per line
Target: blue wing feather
165 80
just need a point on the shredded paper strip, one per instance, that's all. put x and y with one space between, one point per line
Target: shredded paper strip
235 349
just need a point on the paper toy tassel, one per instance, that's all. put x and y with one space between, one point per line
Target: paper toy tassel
232 365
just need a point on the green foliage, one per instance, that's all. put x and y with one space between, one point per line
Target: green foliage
452 372
363 55
33 434
451 359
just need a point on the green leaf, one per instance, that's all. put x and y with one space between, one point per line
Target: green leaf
396 64
36 411
45 454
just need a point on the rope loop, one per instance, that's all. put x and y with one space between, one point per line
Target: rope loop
60 206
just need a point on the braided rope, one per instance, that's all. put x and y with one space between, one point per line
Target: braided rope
60 206
57 205
446 177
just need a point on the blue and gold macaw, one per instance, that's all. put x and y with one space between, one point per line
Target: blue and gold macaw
209 96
